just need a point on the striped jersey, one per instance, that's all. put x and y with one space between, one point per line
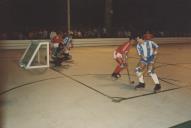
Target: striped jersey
67 40
147 48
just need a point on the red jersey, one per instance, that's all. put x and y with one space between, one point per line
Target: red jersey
57 39
124 48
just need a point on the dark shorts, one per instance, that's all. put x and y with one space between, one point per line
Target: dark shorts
149 60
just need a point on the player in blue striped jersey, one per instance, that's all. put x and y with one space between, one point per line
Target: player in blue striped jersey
68 44
147 50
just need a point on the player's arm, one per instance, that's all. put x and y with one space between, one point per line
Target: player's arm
124 57
155 47
155 51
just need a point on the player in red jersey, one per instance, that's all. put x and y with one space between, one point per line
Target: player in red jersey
55 41
120 55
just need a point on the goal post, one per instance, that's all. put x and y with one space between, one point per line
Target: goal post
36 55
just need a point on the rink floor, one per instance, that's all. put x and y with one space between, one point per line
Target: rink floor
80 94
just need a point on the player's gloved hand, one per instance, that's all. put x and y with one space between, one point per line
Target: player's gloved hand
143 58
123 65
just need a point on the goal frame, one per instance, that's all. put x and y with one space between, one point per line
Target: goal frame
36 52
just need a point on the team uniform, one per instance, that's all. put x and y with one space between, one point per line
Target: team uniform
147 52
55 41
57 49
68 44
120 55
67 41
58 55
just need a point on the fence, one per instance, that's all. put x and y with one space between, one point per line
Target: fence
22 44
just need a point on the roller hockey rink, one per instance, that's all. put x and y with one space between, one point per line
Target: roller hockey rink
82 94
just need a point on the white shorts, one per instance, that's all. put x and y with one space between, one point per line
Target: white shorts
55 45
117 55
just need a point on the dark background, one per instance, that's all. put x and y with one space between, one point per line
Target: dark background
158 15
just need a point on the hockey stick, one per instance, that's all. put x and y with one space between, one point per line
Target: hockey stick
129 77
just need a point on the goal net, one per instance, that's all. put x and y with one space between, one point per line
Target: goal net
36 55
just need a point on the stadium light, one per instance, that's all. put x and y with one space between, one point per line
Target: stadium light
108 13
68 15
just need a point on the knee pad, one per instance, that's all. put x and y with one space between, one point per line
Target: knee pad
150 71
138 69
138 72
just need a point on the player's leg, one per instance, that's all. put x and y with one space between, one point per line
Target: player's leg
119 67
154 76
139 72
54 48
59 55
66 53
67 56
